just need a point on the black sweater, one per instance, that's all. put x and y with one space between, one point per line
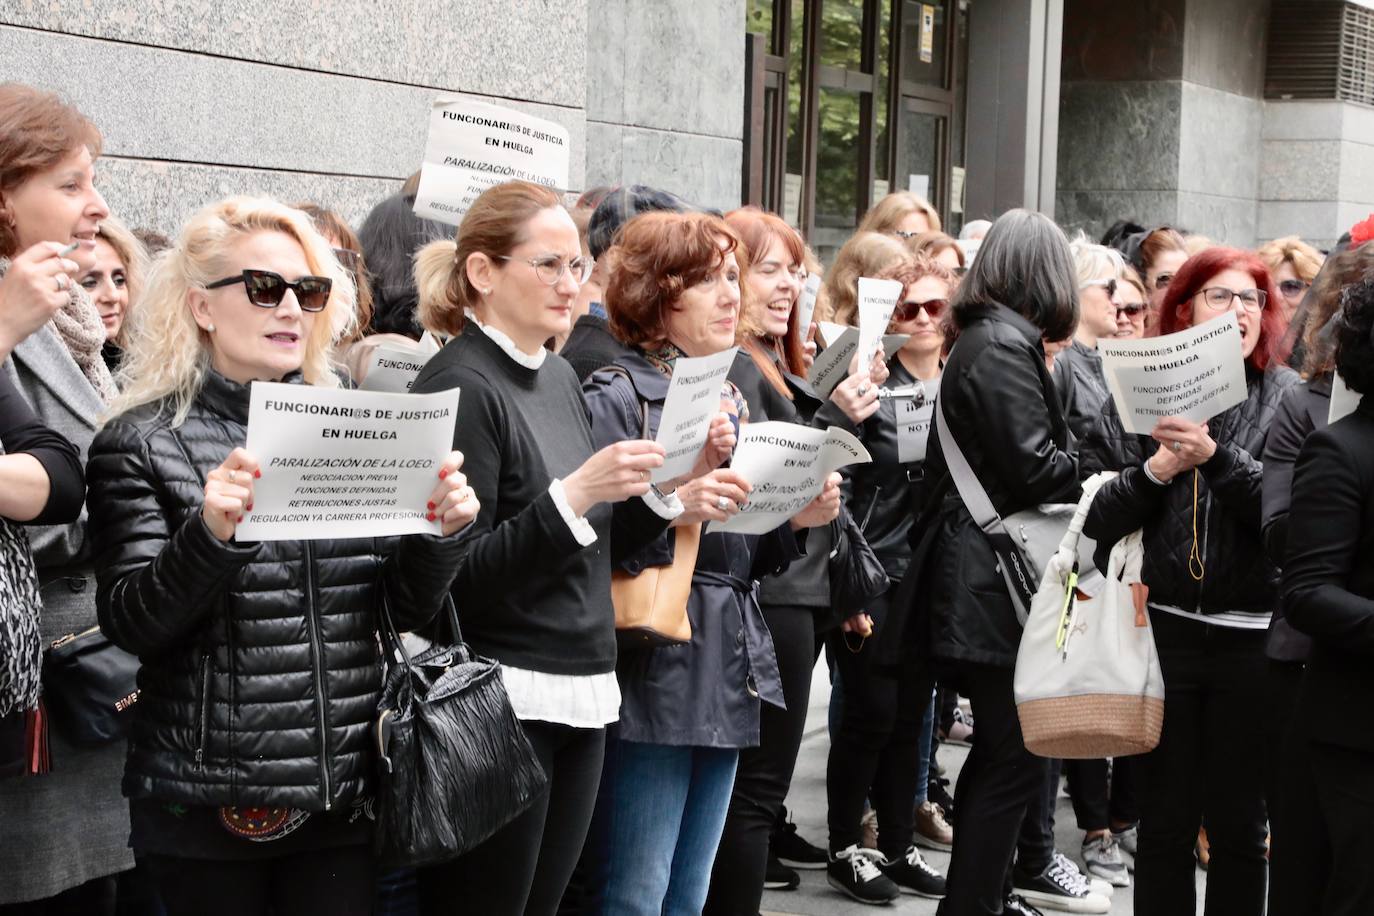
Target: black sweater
528 593
22 431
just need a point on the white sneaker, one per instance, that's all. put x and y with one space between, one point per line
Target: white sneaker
1096 885
1060 888
1102 858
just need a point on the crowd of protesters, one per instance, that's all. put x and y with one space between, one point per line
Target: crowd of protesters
246 778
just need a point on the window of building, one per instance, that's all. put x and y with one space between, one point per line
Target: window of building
848 100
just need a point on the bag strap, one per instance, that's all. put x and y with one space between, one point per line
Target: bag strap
392 636
643 404
970 490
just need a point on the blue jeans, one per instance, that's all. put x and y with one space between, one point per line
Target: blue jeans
665 821
923 754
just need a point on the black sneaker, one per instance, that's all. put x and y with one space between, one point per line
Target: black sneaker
793 851
854 872
1015 905
936 792
914 875
779 877
1060 888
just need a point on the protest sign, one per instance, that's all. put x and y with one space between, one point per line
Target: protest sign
877 300
914 416
394 366
806 305
832 363
1344 402
1194 374
787 464
344 464
693 399
473 145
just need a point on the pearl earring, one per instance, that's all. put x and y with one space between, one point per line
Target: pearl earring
486 292
209 329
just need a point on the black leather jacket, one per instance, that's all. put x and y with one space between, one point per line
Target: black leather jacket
260 665
886 493
1005 413
1239 575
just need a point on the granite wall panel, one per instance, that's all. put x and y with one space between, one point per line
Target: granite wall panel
1219 142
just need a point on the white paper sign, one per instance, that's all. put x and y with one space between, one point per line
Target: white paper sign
877 301
693 399
832 363
1344 402
393 367
787 465
913 422
344 464
473 145
1194 374
806 305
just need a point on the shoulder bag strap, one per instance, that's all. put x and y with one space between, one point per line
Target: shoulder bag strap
643 404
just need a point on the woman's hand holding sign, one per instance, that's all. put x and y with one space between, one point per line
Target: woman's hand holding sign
229 493
453 502
714 497
823 509
1183 445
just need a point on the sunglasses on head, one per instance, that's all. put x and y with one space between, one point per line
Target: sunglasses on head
906 311
266 289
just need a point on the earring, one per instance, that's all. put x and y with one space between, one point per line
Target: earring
486 292
209 329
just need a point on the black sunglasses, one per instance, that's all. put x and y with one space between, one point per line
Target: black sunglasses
1292 288
1109 285
267 289
1133 309
906 311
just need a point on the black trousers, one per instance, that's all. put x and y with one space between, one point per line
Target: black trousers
999 782
1300 854
1209 764
1337 871
1035 845
1104 794
764 773
875 751
525 867
94 898
338 881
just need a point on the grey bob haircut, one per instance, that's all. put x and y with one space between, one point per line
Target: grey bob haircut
1025 264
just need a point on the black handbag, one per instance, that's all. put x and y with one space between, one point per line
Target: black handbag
90 686
455 763
856 576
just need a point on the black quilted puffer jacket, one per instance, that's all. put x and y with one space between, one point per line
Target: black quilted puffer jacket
1238 575
260 668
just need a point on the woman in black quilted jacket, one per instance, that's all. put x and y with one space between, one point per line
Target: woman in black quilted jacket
1195 490
249 766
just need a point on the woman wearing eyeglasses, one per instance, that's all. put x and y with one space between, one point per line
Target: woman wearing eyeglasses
249 767
1132 304
1195 490
533 582
880 750
1098 270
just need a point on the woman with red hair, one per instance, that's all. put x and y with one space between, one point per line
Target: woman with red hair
1195 490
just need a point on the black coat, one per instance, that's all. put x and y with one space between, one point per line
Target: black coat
1004 412
1238 575
705 693
1304 409
260 668
591 346
1328 579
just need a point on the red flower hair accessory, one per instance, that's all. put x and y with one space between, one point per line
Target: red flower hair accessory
1363 231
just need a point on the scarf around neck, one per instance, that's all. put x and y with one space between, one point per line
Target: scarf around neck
80 329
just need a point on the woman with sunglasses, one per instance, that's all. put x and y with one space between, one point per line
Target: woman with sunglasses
1156 254
533 581
1131 306
880 749
249 769
1195 490
1098 270
1293 264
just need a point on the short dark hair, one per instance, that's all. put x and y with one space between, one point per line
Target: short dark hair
1355 335
621 205
1025 264
390 236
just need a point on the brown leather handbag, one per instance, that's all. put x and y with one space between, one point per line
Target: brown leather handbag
651 607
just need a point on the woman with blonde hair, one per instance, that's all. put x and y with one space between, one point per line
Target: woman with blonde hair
1293 264
901 213
864 255
940 248
249 767
533 578
114 282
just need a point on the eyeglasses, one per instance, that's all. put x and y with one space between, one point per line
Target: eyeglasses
1108 285
1163 280
1293 288
350 259
1218 298
1134 309
906 311
904 235
550 267
267 289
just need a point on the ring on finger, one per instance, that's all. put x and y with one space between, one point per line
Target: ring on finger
233 476
1178 446
61 281
722 502
863 390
